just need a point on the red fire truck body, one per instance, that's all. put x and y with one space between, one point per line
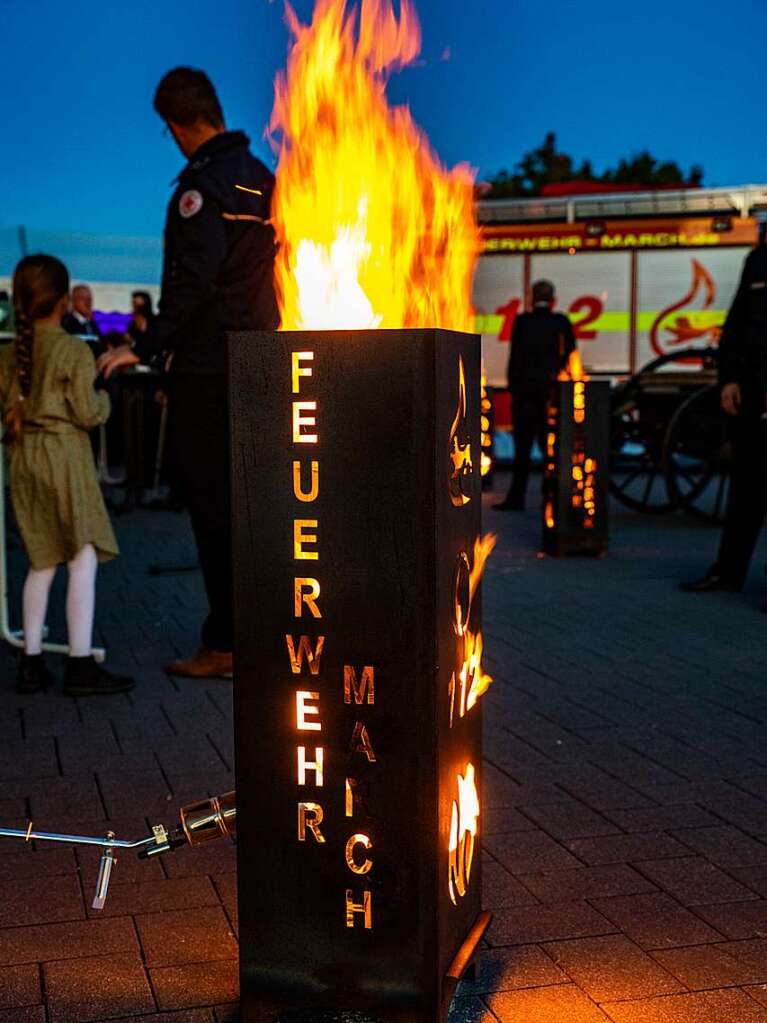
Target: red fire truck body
639 274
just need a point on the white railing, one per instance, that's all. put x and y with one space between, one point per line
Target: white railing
738 201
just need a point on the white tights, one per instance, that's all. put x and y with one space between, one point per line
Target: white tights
81 603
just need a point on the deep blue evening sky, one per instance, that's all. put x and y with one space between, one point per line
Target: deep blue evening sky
82 148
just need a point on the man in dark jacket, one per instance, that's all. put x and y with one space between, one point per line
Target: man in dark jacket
541 343
743 380
217 276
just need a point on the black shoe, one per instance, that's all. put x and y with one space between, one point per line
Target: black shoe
711 583
83 676
32 674
510 504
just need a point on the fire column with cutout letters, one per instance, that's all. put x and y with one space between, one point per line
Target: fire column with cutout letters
576 467
357 553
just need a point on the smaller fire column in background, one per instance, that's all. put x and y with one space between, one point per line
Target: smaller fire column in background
575 513
487 427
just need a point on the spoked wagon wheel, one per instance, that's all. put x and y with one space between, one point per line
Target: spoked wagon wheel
696 456
642 409
636 470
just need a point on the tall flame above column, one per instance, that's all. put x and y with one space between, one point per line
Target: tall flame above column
373 231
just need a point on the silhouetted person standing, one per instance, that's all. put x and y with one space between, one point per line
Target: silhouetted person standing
142 315
541 343
218 276
743 380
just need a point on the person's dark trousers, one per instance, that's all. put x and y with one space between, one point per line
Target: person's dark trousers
529 414
748 494
198 423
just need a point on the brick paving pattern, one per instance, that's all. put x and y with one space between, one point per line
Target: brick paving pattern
624 809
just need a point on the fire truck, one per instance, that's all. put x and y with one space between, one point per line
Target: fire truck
640 274
647 279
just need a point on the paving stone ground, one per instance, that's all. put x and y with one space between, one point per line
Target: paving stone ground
624 810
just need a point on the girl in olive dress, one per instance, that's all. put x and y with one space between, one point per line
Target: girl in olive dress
50 404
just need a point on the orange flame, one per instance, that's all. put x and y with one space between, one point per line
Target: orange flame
372 230
574 369
473 680
463 832
459 453
483 548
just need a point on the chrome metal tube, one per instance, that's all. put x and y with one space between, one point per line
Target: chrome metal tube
207 819
51 836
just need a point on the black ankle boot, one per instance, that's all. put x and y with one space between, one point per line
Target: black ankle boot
83 676
712 581
32 674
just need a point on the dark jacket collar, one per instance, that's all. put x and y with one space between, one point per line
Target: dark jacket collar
224 142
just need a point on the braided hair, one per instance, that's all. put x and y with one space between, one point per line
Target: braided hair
39 284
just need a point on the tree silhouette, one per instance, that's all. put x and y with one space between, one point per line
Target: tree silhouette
545 166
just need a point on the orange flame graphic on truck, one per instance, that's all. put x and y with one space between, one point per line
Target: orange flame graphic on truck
680 328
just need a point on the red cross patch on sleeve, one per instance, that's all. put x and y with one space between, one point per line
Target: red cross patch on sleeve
190 203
